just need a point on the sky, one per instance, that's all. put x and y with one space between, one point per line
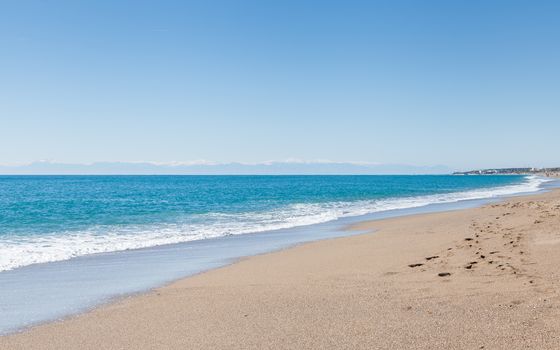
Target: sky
465 84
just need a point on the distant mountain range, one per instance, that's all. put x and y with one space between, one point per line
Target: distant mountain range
206 168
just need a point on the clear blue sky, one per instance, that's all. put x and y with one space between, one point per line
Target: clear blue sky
460 83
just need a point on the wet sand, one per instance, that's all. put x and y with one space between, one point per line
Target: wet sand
483 278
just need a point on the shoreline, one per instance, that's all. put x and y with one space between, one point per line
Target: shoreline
222 276
85 283
22 256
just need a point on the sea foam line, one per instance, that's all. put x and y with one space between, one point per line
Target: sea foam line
27 250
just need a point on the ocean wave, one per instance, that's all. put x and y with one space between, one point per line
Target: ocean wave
33 249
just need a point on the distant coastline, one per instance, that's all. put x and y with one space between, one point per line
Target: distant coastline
549 172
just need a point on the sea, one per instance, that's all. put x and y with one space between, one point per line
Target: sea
69 243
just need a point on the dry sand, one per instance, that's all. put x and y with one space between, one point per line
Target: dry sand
357 292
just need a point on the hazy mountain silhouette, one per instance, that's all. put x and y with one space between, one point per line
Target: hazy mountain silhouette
268 168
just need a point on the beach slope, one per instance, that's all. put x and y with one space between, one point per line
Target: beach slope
483 278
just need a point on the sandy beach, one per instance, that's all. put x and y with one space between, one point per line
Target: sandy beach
483 278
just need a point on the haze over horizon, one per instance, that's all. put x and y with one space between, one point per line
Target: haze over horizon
200 167
456 85
288 167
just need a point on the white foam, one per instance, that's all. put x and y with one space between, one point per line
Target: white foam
33 249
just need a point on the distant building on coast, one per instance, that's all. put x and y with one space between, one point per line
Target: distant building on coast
510 171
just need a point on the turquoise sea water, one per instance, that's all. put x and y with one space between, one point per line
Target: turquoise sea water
53 218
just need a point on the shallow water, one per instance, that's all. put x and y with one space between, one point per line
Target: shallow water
53 218
48 291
